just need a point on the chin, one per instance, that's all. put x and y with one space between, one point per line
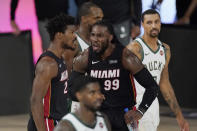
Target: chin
96 51
154 35
65 47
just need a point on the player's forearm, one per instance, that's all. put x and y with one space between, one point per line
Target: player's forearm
170 98
38 114
191 8
13 6
146 80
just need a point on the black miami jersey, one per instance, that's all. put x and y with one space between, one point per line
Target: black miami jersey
56 98
116 82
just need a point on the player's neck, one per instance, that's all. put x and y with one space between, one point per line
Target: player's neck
55 49
85 115
84 32
150 40
108 51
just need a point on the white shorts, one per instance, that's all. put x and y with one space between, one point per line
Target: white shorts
150 119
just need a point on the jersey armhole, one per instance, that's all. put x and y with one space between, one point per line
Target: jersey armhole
142 52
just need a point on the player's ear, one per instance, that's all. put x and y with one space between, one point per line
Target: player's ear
111 37
83 19
78 96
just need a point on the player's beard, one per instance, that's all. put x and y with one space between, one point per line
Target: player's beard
103 48
65 46
154 35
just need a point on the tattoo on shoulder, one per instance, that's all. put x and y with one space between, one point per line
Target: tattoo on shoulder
138 50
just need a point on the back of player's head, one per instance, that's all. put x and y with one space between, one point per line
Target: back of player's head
149 12
110 29
80 83
59 24
85 9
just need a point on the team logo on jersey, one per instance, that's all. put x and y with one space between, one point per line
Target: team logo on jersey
101 125
113 61
115 73
94 62
64 75
161 52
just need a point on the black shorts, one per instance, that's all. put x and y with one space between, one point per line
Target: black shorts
31 125
116 118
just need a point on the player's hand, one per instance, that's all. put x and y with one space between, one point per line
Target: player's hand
132 116
183 124
183 21
135 31
15 28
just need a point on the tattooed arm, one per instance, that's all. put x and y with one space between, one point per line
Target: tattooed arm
168 93
136 49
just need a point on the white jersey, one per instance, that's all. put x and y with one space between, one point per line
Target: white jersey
154 61
100 124
83 45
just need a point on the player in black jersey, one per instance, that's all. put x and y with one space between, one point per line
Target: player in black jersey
49 92
114 66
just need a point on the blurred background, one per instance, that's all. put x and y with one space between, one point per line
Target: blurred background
19 52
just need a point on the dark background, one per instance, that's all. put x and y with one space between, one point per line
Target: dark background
16 66
183 64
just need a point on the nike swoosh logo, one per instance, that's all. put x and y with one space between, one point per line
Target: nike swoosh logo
147 53
94 62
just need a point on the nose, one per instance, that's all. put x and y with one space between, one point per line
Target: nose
154 25
100 96
94 38
74 35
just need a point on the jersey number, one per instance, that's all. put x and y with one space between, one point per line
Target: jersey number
114 84
65 89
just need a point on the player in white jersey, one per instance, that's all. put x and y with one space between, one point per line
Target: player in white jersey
88 14
86 118
155 55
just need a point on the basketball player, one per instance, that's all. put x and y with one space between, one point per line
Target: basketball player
86 118
88 14
113 66
49 92
155 55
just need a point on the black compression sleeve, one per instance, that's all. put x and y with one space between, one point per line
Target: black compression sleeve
145 79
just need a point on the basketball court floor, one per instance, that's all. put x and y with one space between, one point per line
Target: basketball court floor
167 123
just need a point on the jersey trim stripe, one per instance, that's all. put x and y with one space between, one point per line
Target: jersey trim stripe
47 102
158 48
49 124
133 86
